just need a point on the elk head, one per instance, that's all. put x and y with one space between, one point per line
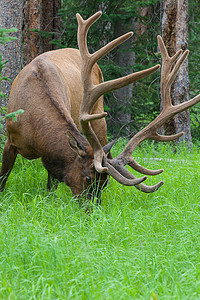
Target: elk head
115 167
82 177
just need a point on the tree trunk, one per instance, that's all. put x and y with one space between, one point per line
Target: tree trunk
32 40
125 59
11 16
51 22
175 36
40 15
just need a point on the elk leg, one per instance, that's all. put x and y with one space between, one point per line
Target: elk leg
52 182
8 160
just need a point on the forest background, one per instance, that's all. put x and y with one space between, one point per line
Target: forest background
48 25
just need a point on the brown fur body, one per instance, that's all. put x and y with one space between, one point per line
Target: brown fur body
49 90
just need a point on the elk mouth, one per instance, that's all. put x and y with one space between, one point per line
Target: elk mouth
92 194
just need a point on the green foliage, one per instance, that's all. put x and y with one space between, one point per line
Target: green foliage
135 246
4 37
12 115
2 65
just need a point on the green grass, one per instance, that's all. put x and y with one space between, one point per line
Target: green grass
135 246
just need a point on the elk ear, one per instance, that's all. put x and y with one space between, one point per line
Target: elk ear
76 145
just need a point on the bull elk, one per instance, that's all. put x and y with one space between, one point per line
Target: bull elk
61 93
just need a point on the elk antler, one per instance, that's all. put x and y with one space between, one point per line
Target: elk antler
92 92
116 166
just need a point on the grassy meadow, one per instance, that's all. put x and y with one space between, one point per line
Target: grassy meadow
134 246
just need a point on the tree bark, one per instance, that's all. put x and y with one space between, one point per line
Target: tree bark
51 22
11 16
40 15
175 36
125 59
32 40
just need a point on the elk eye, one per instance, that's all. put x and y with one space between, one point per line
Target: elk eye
88 179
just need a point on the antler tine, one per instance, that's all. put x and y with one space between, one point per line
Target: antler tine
118 83
168 71
170 68
137 167
168 74
110 46
83 27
